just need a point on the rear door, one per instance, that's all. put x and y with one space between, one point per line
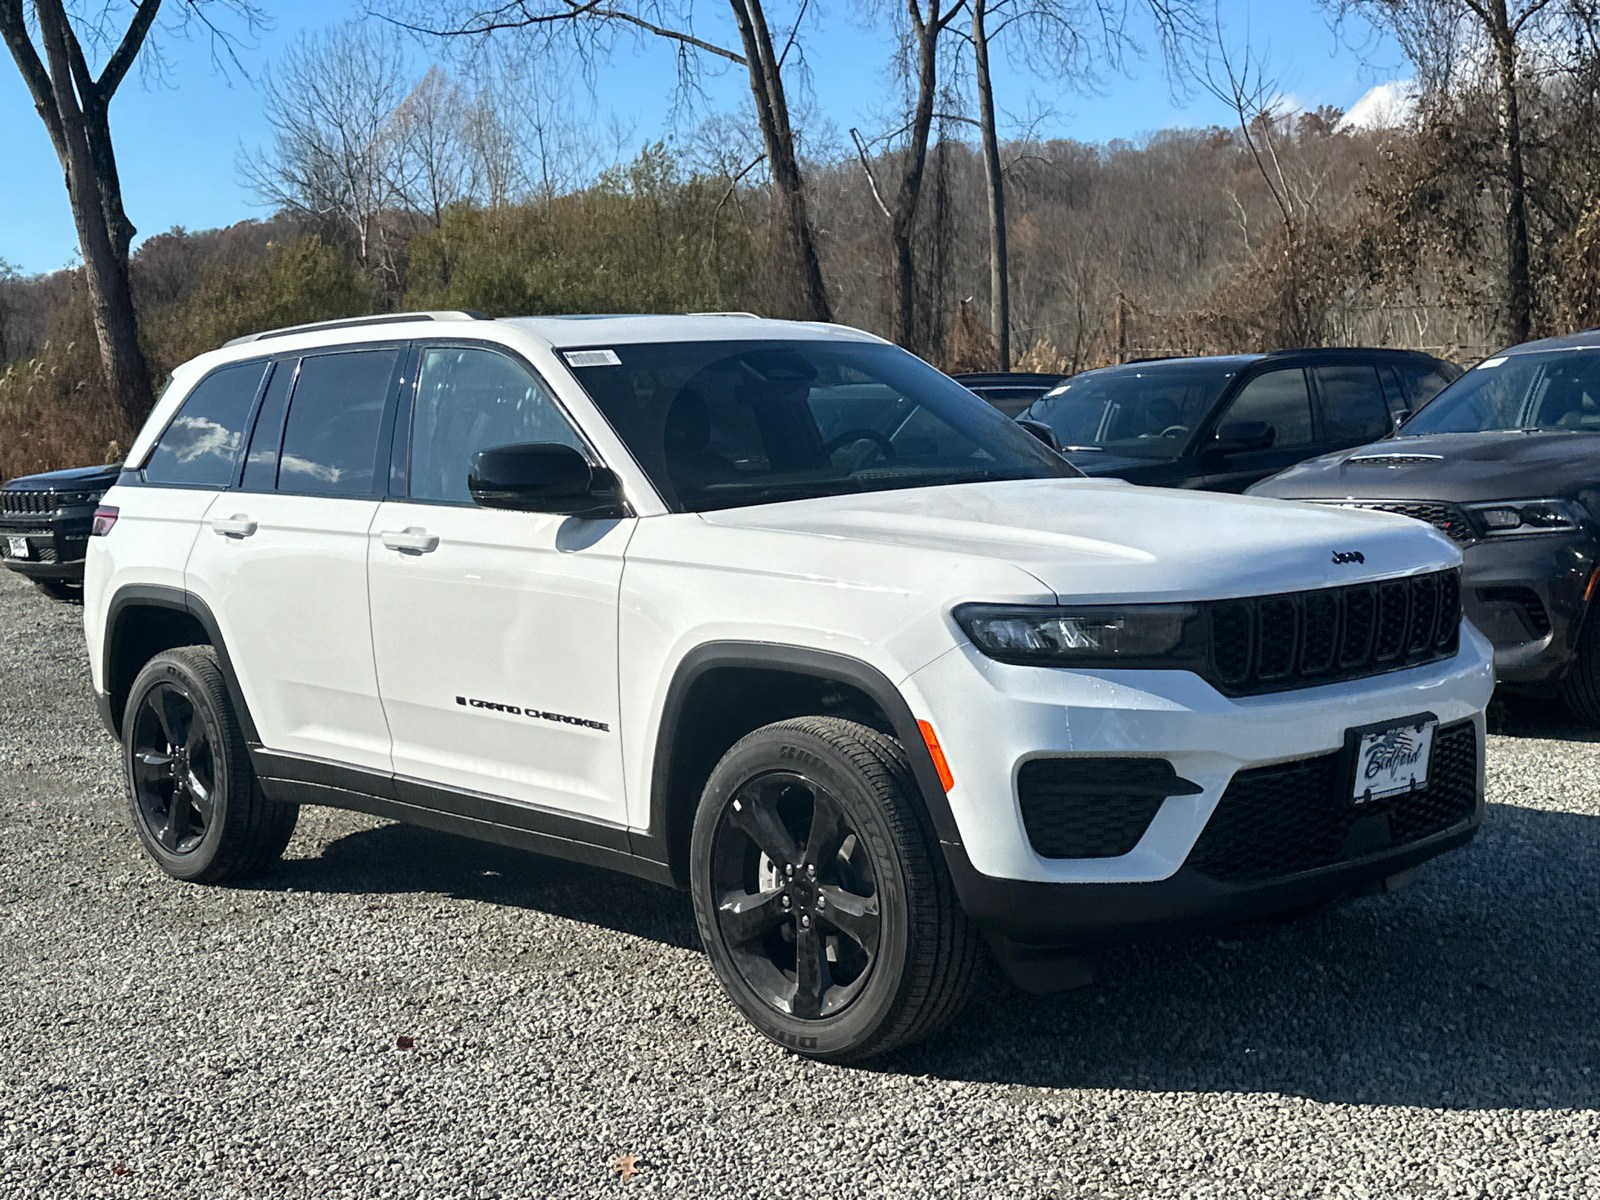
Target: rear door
1282 399
281 560
495 631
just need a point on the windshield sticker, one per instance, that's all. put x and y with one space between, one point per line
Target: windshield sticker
592 358
1491 362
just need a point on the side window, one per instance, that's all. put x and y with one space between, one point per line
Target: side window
1280 399
201 446
261 460
468 400
330 441
1421 385
1353 408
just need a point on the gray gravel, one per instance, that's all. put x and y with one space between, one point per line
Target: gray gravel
159 1039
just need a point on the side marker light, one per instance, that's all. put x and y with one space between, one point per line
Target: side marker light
936 752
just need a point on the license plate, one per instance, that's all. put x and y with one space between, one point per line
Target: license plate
19 547
1392 760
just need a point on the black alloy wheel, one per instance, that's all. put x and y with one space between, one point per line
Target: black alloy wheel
174 768
820 893
191 791
798 906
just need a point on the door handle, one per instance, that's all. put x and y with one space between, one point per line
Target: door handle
413 540
236 526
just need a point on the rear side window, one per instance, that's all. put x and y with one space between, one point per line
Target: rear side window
1280 399
201 446
330 441
1421 384
1353 408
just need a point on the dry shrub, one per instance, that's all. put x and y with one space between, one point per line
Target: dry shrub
54 408
969 346
1043 358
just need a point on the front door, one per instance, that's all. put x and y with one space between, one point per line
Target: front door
495 631
281 561
1282 400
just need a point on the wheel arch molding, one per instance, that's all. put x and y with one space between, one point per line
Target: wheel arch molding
142 620
721 691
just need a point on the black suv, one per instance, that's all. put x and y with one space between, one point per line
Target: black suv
1222 423
45 521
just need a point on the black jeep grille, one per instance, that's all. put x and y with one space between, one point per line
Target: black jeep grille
41 502
1296 639
1297 816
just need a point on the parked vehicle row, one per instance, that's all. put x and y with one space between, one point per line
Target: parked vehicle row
776 613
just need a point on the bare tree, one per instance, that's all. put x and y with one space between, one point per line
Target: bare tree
591 23
432 125
1497 40
75 105
339 150
1057 39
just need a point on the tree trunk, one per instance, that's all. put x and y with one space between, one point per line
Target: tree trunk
903 226
999 275
1519 285
80 132
772 112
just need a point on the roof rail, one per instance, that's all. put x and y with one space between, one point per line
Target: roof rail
463 314
752 316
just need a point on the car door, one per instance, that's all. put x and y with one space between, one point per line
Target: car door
495 631
281 561
1351 404
1282 399
197 455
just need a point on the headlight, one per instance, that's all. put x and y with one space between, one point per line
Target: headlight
1526 516
1105 636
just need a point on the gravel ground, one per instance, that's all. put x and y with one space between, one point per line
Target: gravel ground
159 1039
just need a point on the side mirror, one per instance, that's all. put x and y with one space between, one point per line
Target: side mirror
1233 437
1041 431
1401 416
543 477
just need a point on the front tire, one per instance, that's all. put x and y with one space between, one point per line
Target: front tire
1580 688
821 895
191 791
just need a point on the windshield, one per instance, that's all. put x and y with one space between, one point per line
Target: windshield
725 424
1146 411
1548 390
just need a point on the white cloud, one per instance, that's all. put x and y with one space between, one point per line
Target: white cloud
1383 107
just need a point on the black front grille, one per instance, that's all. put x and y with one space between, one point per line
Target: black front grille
1444 517
1282 820
1271 643
1093 807
36 502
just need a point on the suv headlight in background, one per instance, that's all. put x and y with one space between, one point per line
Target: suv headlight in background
1133 635
1526 516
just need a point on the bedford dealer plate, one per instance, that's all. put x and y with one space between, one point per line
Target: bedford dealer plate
1392 760
19 547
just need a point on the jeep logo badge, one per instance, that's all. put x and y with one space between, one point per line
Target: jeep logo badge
1349 556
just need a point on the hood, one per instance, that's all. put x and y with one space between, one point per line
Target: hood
1092 540
78 479
1459 467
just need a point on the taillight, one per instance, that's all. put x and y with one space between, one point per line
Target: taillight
104 518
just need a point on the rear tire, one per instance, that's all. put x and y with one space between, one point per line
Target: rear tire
191 791
821 895
1580 689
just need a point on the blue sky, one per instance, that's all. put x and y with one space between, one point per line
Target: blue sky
177 144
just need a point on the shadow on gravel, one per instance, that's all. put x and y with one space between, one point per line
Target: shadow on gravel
1527 717
1478 987
395 859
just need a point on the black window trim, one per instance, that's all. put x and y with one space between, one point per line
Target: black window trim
404 426
385 423
249 424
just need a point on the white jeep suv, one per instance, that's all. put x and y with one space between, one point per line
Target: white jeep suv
777 613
